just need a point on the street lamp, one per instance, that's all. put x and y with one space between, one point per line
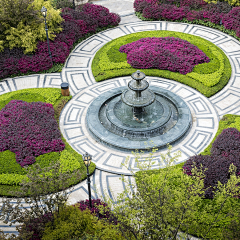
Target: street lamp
73 4
87 160
44 13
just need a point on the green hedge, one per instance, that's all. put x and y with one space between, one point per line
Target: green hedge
11 173
201 219
228 121
72 223
207 78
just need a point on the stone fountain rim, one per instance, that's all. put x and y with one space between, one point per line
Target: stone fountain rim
98 131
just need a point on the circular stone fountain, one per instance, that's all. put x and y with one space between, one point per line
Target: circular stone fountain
128 118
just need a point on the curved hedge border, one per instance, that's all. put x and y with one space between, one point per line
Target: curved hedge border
228 121
11 173
207 78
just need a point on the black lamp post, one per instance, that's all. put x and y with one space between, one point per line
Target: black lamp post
87 160
44 13
73 4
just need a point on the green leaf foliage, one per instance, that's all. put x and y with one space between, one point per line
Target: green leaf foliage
71 223
234 3
204 211
22 23
11 173
207 78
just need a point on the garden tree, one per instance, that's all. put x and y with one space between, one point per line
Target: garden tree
41 182
22 24
156 209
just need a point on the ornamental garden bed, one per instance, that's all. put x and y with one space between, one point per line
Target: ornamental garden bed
209 77
29 134
221 15
215 160
24 49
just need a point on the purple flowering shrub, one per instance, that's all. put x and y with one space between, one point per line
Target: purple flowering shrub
83 205
37 225
165 10
166 53
86 19
29 130
225 151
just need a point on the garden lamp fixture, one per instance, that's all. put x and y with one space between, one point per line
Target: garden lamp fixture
87 158
44 13
73 5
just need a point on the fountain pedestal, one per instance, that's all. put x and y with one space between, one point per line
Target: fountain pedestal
126 119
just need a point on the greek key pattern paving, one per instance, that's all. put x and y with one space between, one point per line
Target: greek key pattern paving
73 125
77 72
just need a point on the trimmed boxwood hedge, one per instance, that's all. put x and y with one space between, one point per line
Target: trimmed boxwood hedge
207 78
228 121
11 173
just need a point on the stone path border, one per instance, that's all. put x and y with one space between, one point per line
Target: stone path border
224 102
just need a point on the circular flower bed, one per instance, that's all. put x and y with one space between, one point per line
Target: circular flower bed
29 130
173 54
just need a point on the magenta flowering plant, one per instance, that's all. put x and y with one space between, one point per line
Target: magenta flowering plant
29 130
189 9
166 53
86 19
106 214
225 151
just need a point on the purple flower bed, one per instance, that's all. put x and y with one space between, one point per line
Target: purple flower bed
225 151
209 12
76 25
94 210
167 53
29 130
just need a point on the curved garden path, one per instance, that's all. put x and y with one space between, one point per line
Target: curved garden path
206 112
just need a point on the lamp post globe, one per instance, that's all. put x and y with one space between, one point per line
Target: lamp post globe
87 158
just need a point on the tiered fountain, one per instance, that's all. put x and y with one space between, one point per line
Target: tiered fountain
128 118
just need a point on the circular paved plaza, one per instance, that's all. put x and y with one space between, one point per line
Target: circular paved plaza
206 112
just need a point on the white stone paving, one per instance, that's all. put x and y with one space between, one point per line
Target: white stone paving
77 72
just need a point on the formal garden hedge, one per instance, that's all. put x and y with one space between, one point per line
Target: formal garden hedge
12 172
208 78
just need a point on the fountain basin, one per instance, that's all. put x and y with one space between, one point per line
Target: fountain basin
173 122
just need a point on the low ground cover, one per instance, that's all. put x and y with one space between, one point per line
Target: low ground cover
75 26
224 16
207 78
168 53
11 172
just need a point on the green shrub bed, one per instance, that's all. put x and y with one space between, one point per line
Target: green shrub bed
202 219
11 173
207 78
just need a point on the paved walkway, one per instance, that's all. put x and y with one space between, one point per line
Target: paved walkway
77 72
